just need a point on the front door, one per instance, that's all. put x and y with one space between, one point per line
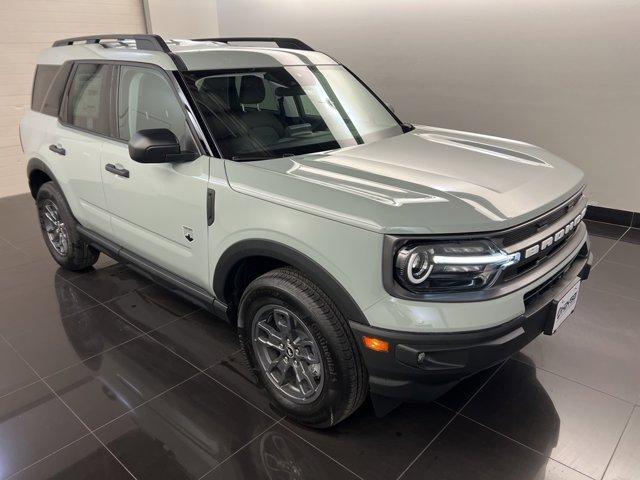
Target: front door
158 211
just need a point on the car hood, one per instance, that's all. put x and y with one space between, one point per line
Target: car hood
429 180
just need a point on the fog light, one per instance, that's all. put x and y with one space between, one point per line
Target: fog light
375 344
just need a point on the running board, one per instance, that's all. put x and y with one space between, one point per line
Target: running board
160 275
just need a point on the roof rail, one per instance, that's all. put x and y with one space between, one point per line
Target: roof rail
143 42
281 42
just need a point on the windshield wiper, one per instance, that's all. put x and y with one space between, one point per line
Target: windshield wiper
250 157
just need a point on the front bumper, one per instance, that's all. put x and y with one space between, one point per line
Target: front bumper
423 366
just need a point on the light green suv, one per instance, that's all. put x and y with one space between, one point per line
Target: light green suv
358 255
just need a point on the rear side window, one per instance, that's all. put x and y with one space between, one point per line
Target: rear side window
88 103
48 88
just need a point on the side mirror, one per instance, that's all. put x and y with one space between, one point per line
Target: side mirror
157 145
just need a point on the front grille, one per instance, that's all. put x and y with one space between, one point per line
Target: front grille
529 229
534 232
541 289
528 264
537 292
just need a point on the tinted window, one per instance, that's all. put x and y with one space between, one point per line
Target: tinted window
283 111
88 106
146 100
289 107
53 99
269 102
308 107
41 83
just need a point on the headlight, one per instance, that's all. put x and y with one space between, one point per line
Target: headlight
450 266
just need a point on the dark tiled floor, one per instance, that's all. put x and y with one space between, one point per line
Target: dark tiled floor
103 375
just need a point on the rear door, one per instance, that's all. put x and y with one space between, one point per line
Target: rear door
158 211
78 141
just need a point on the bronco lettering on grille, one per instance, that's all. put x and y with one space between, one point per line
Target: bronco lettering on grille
556 237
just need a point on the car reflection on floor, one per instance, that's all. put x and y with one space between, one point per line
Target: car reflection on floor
179 433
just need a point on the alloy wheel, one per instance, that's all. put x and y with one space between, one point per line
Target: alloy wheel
55 228
288 353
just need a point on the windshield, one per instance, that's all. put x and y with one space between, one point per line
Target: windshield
282 111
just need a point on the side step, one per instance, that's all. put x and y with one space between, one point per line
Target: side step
168 280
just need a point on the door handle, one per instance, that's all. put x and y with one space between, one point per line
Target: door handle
57 149
122 172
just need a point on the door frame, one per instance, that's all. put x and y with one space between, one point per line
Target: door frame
192 121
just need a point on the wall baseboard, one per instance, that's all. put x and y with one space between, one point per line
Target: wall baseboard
612 215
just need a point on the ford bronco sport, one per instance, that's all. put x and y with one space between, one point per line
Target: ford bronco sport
358 255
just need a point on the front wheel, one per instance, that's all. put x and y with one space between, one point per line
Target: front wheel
302 348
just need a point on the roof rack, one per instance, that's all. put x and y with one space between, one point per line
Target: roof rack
281 42
143 42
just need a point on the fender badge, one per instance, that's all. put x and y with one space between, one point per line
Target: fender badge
188 233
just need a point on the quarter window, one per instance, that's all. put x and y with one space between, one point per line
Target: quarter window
48 88
51 104
42 80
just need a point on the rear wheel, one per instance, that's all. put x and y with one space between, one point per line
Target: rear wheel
59 231
301 348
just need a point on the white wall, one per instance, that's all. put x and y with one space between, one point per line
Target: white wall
29 26
182 18
563 74
26 28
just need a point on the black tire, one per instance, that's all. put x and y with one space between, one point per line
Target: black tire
79 255
344 386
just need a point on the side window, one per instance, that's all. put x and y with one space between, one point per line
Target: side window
146 100
48 88
53 99
41 82
88 104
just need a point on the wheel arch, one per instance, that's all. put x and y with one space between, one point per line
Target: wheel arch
38 174
278 254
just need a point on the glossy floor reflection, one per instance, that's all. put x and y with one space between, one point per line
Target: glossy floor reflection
104 375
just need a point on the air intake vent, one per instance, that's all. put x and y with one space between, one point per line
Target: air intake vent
502 151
